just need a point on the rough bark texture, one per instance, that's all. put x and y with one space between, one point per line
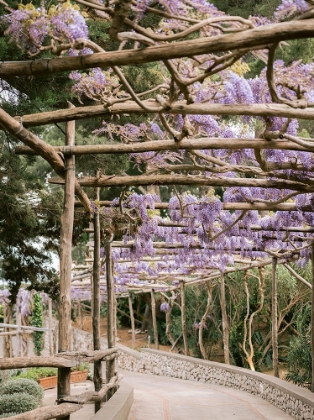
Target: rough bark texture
119 181
67 219
233 206
252 38
132 320
180 107
49 412
96 305
185 144
92 395
203 321
183 319
225 324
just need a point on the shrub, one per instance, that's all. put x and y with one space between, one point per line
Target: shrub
37 373
18 403
23 385
6 415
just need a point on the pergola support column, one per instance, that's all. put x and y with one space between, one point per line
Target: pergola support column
67 219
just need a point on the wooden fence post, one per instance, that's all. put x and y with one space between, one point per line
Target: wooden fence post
96 304
67 219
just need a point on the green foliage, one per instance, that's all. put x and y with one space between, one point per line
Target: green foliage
37 321
21 225
246 8
299 356
38 373
81 367
6 415
18 402
23 385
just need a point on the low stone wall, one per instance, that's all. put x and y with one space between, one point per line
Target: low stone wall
119 405
296 401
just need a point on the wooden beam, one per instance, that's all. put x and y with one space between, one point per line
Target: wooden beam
35 361
49 412
230 206
180 107
124 181
258 37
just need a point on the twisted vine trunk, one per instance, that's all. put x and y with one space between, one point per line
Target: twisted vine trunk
203 321
225 324
154 319
7 339
183 319
248 321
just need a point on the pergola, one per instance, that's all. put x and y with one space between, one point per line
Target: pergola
190 142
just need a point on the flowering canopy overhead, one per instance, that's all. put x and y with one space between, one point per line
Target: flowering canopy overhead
196 113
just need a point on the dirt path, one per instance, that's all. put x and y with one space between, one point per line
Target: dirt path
124 335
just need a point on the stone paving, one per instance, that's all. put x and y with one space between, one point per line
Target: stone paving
161 398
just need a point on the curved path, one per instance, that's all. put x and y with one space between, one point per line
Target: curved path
163 398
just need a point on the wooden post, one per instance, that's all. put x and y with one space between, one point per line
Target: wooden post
67 218
183 319
312 320
153 300
274 318
224 319
110 364
132 320
96 303
50 332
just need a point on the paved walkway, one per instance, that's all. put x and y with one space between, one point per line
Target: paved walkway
162 398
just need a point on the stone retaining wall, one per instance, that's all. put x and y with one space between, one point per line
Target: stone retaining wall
296 401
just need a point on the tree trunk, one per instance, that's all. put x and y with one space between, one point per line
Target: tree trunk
7 339
154 319
67 218
274 319
183 319
132 320
203 321
225 324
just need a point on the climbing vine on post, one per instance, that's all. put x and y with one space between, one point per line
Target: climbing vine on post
37 321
